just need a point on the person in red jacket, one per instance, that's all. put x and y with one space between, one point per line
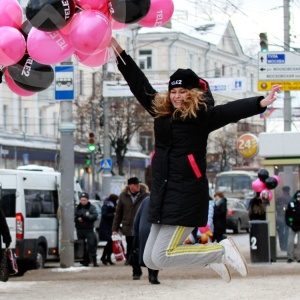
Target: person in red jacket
184 115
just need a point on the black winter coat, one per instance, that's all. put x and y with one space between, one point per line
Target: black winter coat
107 218
141 229
179 190
220 215
4 232
292 214
89 215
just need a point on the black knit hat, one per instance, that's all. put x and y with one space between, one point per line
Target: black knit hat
84 195
185 78
133 180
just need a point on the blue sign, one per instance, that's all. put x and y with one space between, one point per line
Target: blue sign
106 164
275 58
218 88
64 83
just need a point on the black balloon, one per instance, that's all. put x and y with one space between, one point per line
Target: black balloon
25 28
129 11
271 183
263 174
31 75
50 15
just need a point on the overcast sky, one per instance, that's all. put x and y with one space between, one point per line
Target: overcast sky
250 18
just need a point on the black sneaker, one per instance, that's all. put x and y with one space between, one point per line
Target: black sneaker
298 260
136 277
290 260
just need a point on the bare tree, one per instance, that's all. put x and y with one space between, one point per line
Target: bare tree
127 116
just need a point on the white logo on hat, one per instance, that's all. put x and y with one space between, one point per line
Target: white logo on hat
179 81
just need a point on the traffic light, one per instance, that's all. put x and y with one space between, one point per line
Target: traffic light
264 47
88 168
92 146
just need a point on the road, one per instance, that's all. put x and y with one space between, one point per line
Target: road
265 281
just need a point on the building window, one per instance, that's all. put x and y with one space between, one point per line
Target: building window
81 83
26 120
5 117
55 123
223 70
41 122
145 59
251 83
191 61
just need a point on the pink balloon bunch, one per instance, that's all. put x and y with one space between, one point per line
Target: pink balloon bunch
264 186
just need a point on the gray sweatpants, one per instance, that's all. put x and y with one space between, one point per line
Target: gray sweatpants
291 241
165 249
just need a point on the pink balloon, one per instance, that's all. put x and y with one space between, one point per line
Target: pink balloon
14 88
277 178
92 4
258 185
117 25
50 47
11 13
90 32
95 60
12 45
160 13
266 195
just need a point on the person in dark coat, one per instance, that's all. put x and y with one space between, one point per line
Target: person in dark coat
220 216
129 202
141 230
257 210
4 232
292 219
105 228
184 115
281 204
85 217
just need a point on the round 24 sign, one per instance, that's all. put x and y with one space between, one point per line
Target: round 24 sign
247 145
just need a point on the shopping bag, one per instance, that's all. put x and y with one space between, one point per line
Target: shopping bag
118 248
12 262
4 266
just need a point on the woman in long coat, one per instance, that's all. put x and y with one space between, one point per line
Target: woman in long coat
105 228
183 118
141 230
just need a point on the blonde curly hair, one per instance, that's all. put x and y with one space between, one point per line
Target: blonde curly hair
194 100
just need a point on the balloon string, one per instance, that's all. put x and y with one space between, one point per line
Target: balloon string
116 52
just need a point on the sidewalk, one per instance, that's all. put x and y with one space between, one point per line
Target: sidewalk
265 281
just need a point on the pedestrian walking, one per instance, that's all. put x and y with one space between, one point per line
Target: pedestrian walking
281 204
292 219
184 115
4 232
85 217
219 217
128 204
141 230
105 228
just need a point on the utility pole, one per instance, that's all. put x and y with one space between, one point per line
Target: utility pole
106 174
67 185
287 108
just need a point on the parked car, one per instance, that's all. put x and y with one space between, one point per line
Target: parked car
237 215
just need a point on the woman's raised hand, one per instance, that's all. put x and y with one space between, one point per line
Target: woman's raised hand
268 100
